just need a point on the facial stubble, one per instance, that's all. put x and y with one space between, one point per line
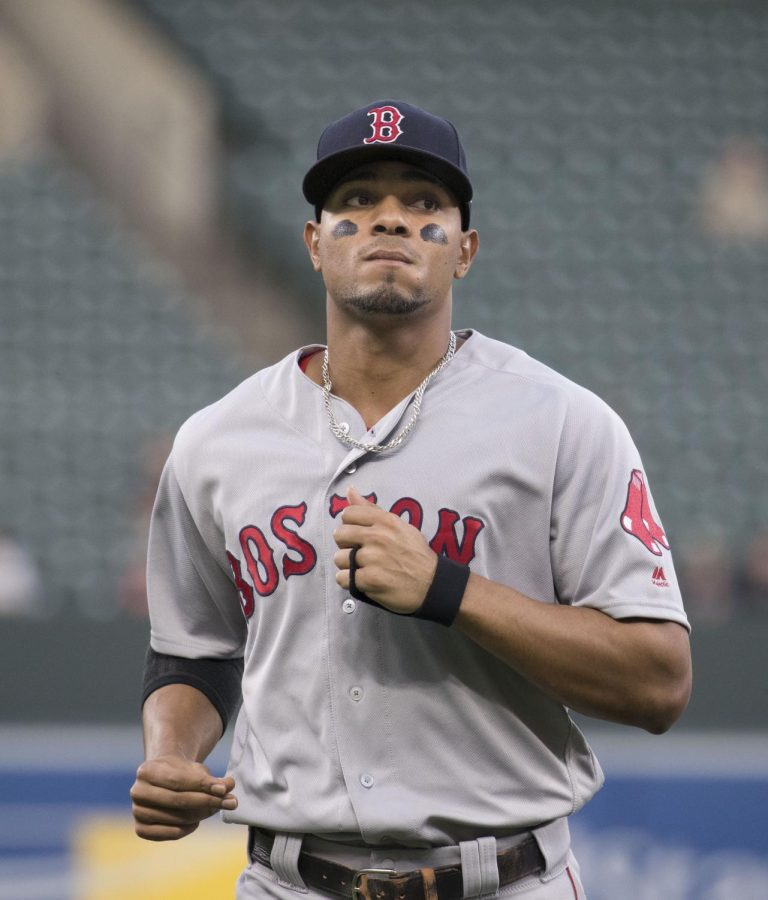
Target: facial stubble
386 299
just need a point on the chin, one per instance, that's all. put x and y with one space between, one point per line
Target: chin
386 301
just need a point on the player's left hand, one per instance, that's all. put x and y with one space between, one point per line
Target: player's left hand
394 563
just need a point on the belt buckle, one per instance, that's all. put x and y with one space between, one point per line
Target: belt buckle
357 891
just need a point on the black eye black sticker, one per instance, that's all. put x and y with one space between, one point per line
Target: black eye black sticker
345 228
433 233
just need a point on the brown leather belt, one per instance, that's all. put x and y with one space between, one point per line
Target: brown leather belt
445 883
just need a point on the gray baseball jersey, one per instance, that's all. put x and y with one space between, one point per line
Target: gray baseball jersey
357 723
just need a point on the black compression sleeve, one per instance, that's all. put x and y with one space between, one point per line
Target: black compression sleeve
218 679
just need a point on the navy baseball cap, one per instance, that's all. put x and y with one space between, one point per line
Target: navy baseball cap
390 129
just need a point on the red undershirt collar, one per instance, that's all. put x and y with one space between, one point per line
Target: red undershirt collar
304 360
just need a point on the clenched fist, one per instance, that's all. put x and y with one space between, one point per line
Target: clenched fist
394 563
172 795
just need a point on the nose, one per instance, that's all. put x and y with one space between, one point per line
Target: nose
389 217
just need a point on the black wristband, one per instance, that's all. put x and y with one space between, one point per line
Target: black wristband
443 598
445 594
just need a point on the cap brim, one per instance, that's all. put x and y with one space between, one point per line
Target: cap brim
324 175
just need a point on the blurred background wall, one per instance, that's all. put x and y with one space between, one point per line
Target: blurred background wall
151 156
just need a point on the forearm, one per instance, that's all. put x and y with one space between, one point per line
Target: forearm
179 720
633 672
174 791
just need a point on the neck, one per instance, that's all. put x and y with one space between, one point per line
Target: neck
374 371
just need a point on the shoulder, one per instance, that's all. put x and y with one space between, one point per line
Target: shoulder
513 374
234 413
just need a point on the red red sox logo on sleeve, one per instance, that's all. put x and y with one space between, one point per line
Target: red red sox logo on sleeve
637 520
456 538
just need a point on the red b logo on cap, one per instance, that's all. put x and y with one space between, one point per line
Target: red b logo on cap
385 125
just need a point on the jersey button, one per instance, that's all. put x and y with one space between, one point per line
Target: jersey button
366 780
344 427
351 469
356 693
349 605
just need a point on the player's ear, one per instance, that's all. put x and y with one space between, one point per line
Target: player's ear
311 239
469 243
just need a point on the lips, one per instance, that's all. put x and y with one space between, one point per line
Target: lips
393 255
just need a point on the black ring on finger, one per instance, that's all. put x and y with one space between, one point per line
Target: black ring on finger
352 571
353 588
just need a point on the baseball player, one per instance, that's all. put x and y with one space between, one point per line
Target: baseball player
409 553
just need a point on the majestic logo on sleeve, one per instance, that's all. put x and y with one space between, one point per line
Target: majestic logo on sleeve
385 125
637 518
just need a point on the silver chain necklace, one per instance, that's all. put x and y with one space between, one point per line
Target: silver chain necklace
417 398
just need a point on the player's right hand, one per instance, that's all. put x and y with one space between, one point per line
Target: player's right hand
172 795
